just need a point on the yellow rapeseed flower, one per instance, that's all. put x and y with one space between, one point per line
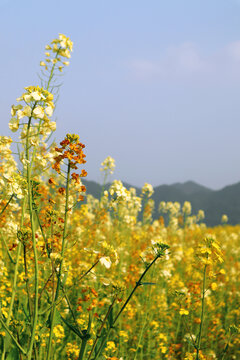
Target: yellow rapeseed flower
214 286
183 312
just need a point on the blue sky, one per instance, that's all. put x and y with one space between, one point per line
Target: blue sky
155 84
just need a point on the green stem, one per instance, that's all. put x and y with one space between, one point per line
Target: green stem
2 211
102 344
71 309
138 283
83 348
88 271
60 266
147 318
178 327
27 280
14 285
31 213
8 252
226 347
202 313
12 337
42 232
52 71
100 330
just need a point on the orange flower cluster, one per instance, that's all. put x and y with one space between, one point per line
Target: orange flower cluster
89 299
72 150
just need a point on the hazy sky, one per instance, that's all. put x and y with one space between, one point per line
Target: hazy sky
155 84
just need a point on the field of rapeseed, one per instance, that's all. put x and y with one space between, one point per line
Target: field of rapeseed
101 279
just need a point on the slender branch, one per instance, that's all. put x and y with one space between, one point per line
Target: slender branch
8 252
30 204
14 285
61 264
138 283
2 211
12 337
71 309
101 328
27 281
88 271
202 313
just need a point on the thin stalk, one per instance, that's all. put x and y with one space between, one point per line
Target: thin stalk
100 329
202 313
52 72
226 347
31 213
14 285
20 353
8 252
12 337
28 293
60 266
44 287
88 271
42 232
144 324
190 332
27 280
178 327
2 211
85 339
102 344
71 309
138 283
83 348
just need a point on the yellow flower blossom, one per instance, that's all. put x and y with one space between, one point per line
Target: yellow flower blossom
183 311
214 286
38 112
14 124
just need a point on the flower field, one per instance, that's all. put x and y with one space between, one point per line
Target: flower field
83 278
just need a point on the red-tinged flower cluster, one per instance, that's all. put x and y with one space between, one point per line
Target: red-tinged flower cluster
76 178
72 150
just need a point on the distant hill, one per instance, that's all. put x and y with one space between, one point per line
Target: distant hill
215 203
191 187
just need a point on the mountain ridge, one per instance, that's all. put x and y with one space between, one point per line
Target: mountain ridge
215 203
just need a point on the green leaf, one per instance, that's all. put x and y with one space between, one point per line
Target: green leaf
57 319
13 354
89 323
148 283
110 317
7 341
71 327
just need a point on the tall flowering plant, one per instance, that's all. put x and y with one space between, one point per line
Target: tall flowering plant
32 116
38 197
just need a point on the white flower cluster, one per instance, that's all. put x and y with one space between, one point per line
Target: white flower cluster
38 104
169 207
147 189
178 215
187 208
58 49
5 143
15 184
121 193
108 165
